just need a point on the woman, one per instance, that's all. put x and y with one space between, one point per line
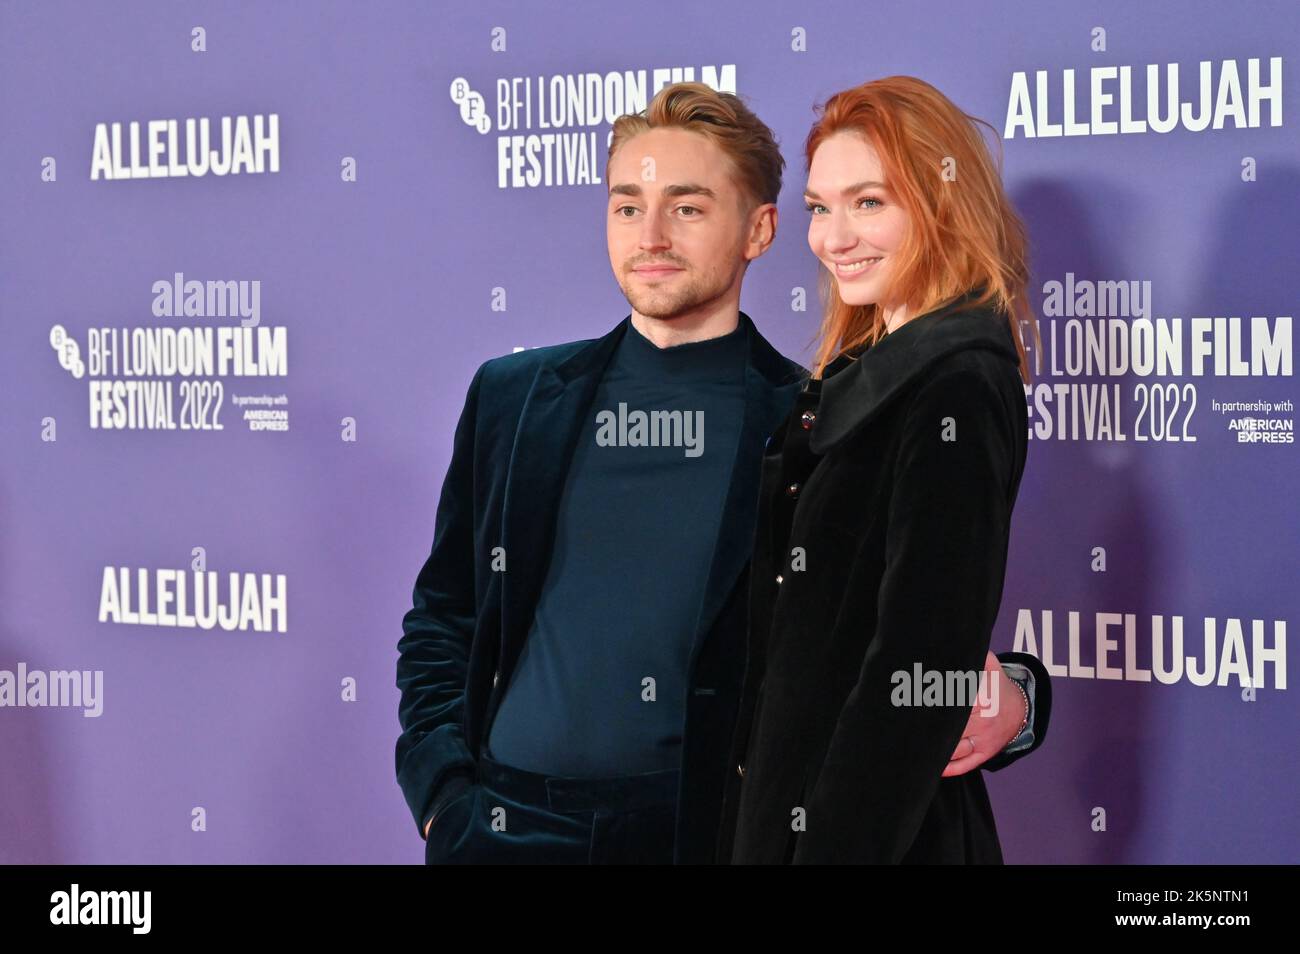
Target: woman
887 497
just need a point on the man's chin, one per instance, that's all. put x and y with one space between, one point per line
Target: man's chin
662 315
661 310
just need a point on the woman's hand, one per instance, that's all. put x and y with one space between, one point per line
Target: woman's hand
991 727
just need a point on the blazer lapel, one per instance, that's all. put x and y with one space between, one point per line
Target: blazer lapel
550 424
771 384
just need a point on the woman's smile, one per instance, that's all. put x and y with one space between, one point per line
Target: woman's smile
855 268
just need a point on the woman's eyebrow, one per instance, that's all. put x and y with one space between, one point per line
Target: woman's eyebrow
856 187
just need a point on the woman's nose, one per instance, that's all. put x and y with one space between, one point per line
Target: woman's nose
840 236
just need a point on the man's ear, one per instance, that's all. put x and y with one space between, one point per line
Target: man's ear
762 230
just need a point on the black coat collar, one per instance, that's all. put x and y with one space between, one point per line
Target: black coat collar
854 390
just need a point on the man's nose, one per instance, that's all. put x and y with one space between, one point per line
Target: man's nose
653 233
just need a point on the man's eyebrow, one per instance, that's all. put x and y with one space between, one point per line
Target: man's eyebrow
856 187
672 191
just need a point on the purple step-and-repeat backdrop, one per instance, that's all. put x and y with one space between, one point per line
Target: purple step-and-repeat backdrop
230 387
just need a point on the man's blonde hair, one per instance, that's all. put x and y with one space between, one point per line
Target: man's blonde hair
725 119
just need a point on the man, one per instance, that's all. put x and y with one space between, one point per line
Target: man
571 668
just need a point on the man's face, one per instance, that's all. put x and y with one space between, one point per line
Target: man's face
855 223
678 224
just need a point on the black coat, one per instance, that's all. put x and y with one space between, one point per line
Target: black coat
902 510
464 633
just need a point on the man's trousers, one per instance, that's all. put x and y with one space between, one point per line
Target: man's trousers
511 816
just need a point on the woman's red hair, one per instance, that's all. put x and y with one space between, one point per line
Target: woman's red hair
964 233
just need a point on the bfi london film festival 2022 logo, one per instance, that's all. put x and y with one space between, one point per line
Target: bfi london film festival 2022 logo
1099 332
172 376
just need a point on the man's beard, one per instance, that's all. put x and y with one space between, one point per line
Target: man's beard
663 303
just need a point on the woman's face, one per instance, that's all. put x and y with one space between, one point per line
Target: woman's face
854 224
